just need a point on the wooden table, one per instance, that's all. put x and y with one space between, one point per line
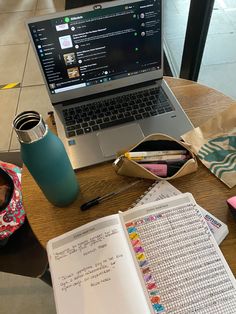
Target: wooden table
48 221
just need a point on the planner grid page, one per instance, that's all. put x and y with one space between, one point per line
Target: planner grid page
185 267
164 189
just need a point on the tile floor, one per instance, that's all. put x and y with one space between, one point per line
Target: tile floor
18 294
18 64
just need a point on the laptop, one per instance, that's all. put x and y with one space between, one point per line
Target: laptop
103 69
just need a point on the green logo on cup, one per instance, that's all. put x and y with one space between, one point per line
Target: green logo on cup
220 153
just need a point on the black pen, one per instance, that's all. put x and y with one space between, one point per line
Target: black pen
100 199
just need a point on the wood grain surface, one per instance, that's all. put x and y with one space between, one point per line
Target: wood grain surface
47 221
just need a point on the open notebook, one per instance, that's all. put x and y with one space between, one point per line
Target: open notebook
158 258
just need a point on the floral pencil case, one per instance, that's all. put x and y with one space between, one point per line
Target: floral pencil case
156 157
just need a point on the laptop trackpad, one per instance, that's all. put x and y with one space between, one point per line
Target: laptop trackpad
122 137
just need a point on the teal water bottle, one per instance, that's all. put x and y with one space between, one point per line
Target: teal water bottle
44 155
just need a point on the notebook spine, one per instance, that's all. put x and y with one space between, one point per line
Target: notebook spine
143 195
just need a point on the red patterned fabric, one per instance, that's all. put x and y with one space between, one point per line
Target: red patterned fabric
13 216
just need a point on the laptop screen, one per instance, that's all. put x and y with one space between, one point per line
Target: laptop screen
79 50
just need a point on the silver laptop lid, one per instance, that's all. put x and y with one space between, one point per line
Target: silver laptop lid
98 48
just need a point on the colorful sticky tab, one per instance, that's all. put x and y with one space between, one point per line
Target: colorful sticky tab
147 277
138 249
146 270
133 236
151 286
131 229
156 299
129 224
135 242
154 292
141 256
143 263
158 308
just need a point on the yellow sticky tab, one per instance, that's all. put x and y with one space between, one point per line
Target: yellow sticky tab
133 236
141 256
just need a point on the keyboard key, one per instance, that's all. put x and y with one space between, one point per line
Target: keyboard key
113 123
87 130
71 133
120 116
146 115
69 123
78 126
168 109
141 110
138 116
95 127
70 128
153 113
79 132
98 121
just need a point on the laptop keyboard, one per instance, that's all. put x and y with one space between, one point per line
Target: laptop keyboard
116 110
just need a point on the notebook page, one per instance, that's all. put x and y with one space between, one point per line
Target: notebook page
93 272
180 263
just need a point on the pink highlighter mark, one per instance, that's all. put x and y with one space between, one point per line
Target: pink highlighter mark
135 242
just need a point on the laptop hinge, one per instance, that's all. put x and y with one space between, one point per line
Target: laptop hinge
107 93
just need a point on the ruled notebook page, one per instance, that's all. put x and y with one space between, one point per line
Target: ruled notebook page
179 260
93 271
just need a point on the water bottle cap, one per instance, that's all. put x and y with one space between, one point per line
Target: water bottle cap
29 126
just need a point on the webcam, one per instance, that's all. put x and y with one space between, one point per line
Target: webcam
97 7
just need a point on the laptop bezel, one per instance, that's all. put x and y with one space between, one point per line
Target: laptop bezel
105 86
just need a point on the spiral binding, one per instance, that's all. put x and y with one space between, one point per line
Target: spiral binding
143 195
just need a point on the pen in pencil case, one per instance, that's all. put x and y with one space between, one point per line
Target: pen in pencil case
162 170
175 158
177 163
155 153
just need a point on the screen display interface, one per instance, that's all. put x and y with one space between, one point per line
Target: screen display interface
107 44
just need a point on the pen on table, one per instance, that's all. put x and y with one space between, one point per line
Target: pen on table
100 199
